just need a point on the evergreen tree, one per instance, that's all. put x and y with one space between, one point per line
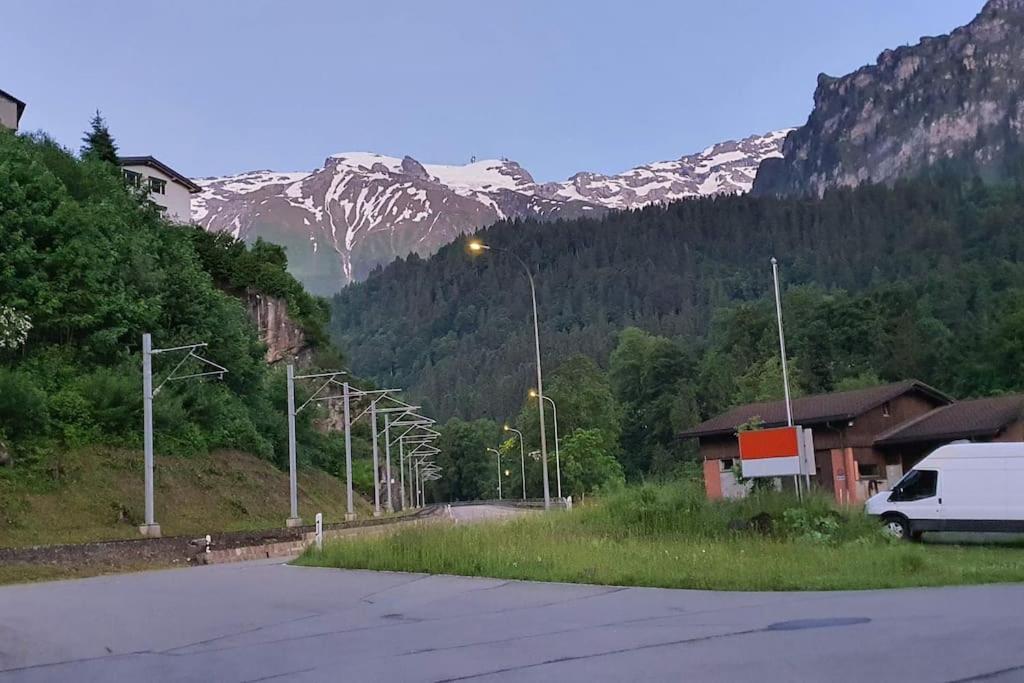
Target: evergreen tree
99 143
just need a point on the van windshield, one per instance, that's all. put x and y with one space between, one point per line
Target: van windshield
917 485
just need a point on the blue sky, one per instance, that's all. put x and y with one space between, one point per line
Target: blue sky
559 85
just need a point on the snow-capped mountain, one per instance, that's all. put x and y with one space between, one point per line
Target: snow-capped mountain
361 210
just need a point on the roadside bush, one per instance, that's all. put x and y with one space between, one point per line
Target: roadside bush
71 413
682 508
114 400
24 411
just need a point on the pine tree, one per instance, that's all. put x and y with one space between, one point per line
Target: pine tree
99 143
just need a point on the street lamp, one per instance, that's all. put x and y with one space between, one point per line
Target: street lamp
498 453
558 463
522 455
476 246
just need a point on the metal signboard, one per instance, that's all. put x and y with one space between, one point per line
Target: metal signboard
771 452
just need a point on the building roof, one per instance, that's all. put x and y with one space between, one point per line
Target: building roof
12 98
162 167
983 417
818 409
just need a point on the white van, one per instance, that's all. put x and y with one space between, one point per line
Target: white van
959 487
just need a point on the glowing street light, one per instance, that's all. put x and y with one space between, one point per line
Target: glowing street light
476 246
558 463
522 454
497 453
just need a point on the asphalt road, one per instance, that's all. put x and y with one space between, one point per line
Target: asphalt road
270 621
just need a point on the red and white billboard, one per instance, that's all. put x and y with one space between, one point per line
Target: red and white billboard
779 452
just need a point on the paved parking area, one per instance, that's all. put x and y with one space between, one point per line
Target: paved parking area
270 621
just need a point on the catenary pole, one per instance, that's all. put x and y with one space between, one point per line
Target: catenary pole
376 459
151 528
346 394
388 503
401 471
293 479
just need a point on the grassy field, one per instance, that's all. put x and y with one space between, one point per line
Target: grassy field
671 537
100 497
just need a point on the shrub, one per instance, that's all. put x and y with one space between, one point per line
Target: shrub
24 410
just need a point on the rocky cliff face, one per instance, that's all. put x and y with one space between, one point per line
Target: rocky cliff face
957 97
361 210
284 338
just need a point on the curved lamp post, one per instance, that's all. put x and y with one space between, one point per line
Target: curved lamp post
558 463
477 246
522 454
497 453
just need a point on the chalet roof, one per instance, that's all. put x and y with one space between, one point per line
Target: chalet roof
817 409
152 162
983 417
17 102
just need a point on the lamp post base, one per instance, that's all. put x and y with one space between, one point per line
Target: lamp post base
293 522
350 516
150 530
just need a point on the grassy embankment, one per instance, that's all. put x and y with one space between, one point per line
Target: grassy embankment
99 496
671 537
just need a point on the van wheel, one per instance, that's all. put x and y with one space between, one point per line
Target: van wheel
897 526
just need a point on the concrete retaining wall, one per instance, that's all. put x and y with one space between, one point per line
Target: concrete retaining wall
294 548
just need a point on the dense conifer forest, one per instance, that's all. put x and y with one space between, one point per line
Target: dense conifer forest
923 279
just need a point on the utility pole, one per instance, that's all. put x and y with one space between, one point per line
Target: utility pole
151 528
376 466
330 379
401 471
293 478
388 503
350 513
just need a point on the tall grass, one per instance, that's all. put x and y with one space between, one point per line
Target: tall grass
671 536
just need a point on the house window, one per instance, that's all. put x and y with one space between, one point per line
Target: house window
133 178
885 409
157 186
869 470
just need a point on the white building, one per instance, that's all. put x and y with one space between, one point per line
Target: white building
167 187
11 109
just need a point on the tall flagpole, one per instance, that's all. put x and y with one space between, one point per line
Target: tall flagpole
782 352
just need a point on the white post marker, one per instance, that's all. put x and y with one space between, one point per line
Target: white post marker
319 531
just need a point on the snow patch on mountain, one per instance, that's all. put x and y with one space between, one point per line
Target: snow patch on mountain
362 209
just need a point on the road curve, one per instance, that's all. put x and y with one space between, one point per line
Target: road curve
266 620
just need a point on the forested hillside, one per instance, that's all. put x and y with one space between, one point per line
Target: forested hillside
86 266
923 279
